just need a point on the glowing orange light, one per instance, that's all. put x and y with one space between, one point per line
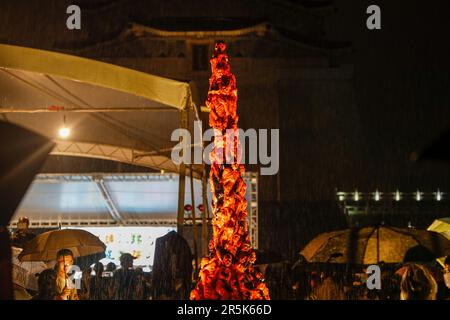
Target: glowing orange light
228 272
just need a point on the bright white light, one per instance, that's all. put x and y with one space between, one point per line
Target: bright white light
438 195
377 195
356 197
418 195
64 132
341 196
397 195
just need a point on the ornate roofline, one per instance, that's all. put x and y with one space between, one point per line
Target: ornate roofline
137 29
263 30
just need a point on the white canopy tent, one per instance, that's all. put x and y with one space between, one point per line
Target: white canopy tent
114 113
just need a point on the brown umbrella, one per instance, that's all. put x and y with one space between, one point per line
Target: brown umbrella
45 246
372 245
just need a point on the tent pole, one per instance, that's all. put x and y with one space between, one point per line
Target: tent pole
194 220
182 179
205 210
204 180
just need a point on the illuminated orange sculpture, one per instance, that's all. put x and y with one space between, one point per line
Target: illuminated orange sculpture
228 272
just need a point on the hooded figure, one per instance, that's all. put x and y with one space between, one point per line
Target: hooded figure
172 268
417 284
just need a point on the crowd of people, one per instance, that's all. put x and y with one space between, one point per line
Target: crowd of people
173 278
97 283
326 281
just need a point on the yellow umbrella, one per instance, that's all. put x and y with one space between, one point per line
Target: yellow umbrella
45 246
441 226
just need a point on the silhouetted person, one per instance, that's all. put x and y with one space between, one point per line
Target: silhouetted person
108 281
124 279
417 284
111 267
172 268
96 284
23 234
46 285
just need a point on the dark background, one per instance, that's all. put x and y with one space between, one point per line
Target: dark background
362 135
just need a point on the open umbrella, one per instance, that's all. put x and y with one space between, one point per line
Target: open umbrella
24 273
372 245
45 246
441 226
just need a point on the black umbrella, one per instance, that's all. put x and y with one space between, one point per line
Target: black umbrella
372 245
22 153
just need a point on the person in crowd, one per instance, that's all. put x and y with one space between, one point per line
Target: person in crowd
85 283
300 279
124 279
65 288
417 284
46 285
142 292
324 286
111 267
96 283
108 281
23 233
172 268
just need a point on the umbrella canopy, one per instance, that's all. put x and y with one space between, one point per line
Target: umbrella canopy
372 245
46 245
441 226
24 273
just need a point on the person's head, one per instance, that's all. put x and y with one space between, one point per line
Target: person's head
126 261
110 267
23 224
46 282
417 284
64 259
98 269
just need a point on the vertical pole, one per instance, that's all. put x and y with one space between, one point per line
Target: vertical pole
204 213
194 220
182 178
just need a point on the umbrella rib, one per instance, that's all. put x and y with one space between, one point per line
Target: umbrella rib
367 242
404 233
